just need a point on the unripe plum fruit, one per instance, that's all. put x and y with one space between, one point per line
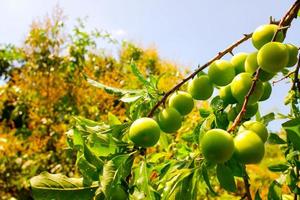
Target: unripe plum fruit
217 145
226 95
249 148
251 66
169 120
182 101
221 72
144 132
293 54
257 127
264 34
273 57
200 88
267 91
241 85
251 110
238 62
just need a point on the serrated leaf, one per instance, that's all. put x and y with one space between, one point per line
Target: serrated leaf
275 139
92 158
293 137
206 179
139 75
176 181
113 119
143 181
217 104
266 119
275 192
226 178
278 167
88 170
112 90
56 186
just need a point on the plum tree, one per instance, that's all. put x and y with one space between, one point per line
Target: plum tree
182 101
238 62
249 147
221 72
264 34
169 120
267 91
293 53
200 87
144 132
257 127
217 145
273 57
240 87
251 66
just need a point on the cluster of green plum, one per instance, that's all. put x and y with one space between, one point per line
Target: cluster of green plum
218 146
233 79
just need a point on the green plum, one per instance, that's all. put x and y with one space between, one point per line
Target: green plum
273 57
264 34
267 91
144 132
217 145
169 120
249 147
251 66
293 55
241 85
257 127
226 95
221 72
200 88
238 62
183 102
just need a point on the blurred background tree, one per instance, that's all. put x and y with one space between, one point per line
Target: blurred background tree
45 86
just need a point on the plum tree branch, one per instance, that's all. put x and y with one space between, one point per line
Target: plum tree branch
199 69
284 22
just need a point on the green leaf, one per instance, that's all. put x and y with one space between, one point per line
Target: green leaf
236 167
294 137
275 139
56 186
266 119
139 75
113 90
175 183
206 179
92 158
143 181
275 192
115 170
113 119
217 104
204 112
89 171
278 167
226 178
257 196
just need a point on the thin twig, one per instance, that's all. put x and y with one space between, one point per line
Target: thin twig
199 69
247 186
284 22
284 77
296 82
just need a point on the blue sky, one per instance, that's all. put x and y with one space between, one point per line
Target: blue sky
187 32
